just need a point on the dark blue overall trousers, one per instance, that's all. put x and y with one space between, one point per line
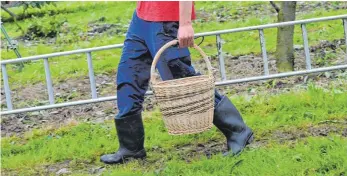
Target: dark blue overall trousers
143 40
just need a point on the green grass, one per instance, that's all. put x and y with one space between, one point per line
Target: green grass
313 156
120 13
85 142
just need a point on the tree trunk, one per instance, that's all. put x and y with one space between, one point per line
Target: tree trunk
284 48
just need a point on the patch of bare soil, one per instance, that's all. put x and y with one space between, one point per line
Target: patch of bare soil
252 65
78 89
71 90
67 167
320 130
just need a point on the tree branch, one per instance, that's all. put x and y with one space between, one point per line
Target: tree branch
275 6
9 12
14 16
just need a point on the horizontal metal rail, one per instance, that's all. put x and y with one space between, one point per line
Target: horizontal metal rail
273 25
219 51
221 83
281 75
58 54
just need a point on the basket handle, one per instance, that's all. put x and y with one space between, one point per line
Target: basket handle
171 43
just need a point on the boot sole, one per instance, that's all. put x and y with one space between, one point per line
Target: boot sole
250 139
125 160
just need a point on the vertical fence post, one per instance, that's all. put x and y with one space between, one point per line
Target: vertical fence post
91 75
263 51
345 30
220 57
6 87
306 47
49 81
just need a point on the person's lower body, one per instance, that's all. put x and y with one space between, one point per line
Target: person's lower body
142 42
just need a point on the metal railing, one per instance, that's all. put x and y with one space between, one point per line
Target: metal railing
95 99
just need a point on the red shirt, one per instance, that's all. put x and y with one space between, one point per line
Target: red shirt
159 10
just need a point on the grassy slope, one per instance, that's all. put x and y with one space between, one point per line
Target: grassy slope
84 143
120 13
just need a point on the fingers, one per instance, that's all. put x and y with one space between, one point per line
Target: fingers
186 41
181 41
191 41
185 36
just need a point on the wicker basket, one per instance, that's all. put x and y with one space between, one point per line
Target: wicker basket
187 104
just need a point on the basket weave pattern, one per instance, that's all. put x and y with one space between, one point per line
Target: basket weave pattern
187 104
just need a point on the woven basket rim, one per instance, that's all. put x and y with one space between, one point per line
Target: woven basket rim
160 83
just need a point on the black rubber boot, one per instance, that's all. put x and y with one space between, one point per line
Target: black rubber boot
228 120
131 135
